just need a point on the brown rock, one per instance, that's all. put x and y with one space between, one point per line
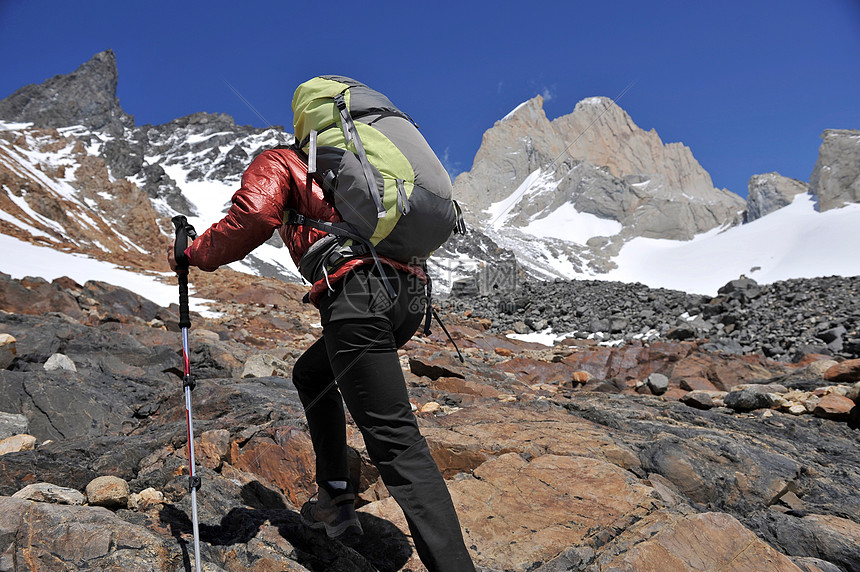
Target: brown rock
464 386
809 359
792 501
109 492
834 406
696 383
570 499
531 371
581 377
431 408
475 434
284 457
39 297
698 399
846 372
17 443
708 541
724 372
214 447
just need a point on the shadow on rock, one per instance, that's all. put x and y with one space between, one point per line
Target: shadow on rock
383 546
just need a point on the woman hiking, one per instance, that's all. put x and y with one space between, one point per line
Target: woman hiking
370 305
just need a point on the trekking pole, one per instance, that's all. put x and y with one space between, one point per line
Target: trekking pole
184 232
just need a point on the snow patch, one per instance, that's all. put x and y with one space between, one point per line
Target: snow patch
537 182
514 110
23 259
795 241
568 224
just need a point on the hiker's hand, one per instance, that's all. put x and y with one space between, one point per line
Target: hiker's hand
171 260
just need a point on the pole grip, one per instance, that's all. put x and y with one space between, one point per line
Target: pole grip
184 314
184 233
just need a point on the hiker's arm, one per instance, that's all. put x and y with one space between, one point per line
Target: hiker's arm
257 210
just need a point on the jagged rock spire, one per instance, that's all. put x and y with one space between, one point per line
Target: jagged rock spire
87 97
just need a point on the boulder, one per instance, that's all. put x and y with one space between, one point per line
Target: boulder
146 499
109 492
265 365
658 383
751 398
47 492
17 443
699 399
834 406
60 361
846 372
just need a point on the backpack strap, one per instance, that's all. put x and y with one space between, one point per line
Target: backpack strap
350 133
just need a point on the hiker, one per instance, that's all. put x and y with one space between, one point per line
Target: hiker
370 305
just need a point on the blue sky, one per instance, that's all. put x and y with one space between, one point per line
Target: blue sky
748 85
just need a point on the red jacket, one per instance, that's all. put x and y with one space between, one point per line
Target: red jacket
275 181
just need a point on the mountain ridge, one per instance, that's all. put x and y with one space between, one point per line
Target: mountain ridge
563 198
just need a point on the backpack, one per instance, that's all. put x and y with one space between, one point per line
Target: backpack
392 192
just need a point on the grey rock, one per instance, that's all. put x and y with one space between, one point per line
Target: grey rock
724 345
47 492
598 161
265 365
771 192
31 531
835 179
743 284
8 350
124 157
711 469
807 564
750 398
60 361
813 535
832 334
520 327
658 383
13 424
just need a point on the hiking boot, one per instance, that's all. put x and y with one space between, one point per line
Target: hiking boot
333 510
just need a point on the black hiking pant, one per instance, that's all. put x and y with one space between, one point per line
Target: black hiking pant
362 329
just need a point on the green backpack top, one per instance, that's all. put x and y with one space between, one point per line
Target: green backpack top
392 192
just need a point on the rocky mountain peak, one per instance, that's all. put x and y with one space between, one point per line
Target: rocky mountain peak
593 161
835 180
530 112
86 97
770 192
